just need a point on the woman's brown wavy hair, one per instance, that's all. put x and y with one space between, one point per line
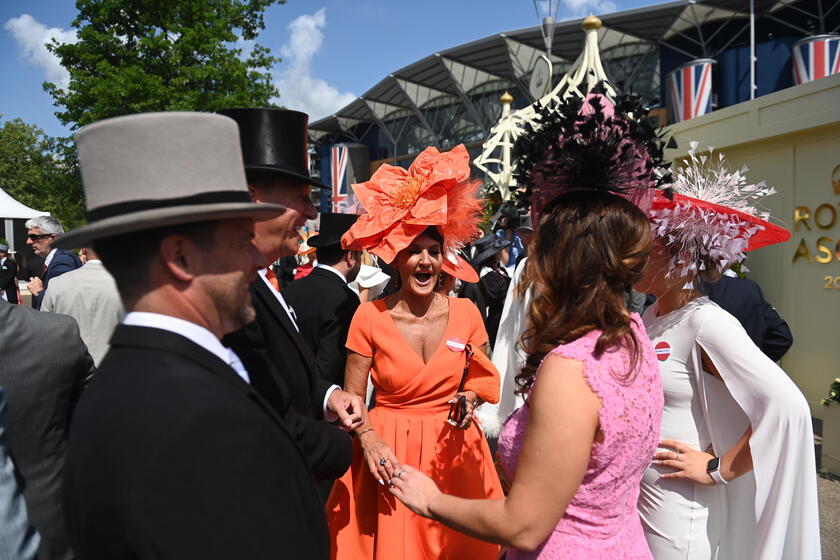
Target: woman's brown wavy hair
589 250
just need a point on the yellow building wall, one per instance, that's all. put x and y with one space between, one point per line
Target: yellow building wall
791 139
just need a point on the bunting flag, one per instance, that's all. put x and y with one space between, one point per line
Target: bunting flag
690 90
339 156
815 58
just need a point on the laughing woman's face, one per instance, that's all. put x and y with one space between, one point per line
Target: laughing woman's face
419 265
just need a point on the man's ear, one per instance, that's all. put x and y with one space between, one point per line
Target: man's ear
351 258
179 257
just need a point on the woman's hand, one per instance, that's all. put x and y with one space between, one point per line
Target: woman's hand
414 489
472 402
690 464
380 459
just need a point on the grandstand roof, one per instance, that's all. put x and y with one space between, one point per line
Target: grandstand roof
458 72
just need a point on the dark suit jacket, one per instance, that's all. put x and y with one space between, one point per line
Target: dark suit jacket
42 384
8 279
173 456
324 306
62 261
274 337
743 299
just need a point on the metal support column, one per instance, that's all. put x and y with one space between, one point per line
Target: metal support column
752 49
418 112
463 95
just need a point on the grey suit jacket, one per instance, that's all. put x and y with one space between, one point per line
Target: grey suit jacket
89 295
18 539
43 368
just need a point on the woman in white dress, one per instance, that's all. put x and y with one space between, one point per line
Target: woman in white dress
734 477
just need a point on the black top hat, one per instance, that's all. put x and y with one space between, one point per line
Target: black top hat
274 143
333 226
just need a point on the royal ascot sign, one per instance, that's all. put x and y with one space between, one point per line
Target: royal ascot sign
823 219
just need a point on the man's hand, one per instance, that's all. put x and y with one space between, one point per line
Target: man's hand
35 285
349 408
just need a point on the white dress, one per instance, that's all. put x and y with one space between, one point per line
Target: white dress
769 513
507 356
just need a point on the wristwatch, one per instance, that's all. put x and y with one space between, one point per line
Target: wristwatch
713 469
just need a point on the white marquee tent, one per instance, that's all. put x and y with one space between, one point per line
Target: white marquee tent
11 209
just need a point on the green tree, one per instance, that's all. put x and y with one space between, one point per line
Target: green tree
135 56
41 171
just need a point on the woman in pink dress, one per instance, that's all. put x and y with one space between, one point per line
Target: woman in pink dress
576 450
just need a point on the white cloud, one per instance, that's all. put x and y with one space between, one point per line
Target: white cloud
32 36
585 7
300 90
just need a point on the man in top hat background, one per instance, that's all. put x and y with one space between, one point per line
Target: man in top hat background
322 301
274 149
8 276
173 454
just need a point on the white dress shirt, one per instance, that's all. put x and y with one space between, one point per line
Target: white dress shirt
49 258
191 331
334 271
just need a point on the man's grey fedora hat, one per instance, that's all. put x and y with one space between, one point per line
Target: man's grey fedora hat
160 169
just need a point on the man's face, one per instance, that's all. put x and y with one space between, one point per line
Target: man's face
40 242
278 236
229 266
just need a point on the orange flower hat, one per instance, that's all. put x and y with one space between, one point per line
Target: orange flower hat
400 204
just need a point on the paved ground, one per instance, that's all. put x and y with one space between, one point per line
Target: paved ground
829 489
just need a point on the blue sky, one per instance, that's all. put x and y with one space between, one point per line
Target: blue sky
332 50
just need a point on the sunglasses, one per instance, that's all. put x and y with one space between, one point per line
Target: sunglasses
36 236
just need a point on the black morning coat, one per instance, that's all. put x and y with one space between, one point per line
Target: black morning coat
274 336
172 456
324 306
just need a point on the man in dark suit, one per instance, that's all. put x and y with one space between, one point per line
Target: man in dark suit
42 388
743 299
8 276
41 232
173 453
275 155
323 303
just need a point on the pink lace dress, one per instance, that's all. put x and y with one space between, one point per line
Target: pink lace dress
601 520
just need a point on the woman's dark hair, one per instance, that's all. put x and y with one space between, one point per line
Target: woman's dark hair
590 248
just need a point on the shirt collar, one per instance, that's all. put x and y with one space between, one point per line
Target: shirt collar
191 331
277 294
334 271
49 258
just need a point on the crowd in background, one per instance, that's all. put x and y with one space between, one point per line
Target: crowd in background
586 377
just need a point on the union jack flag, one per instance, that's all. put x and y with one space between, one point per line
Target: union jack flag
690 90
815 58
339 156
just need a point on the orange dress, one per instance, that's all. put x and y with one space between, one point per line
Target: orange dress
365 520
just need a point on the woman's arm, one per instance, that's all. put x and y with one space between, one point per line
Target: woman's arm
691 463
380 459
555 453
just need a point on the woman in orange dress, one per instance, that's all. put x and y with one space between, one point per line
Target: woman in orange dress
414 344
